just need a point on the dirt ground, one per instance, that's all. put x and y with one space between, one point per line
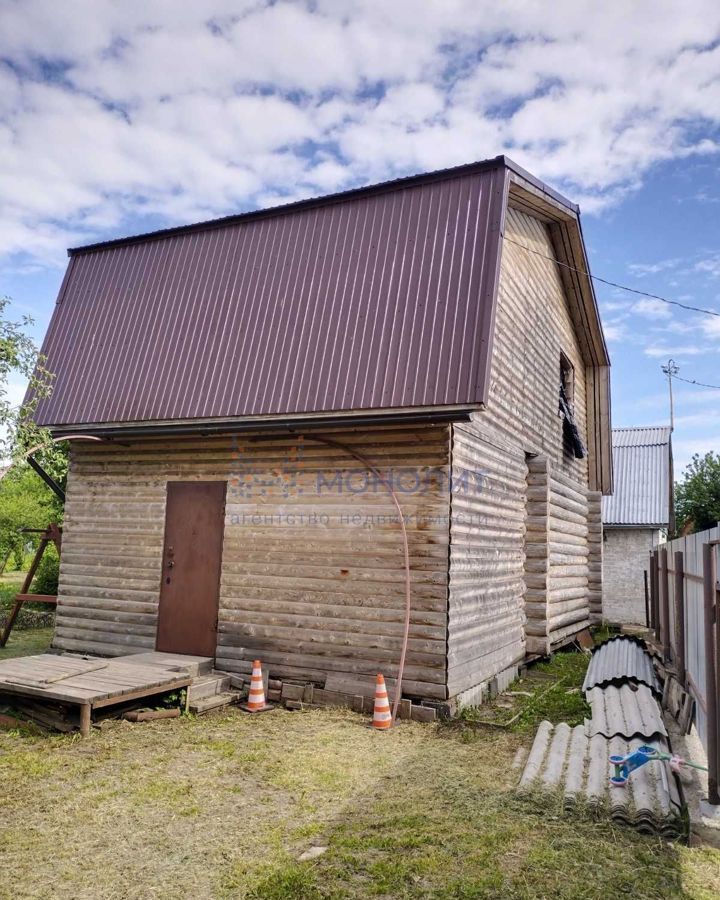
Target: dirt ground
222 806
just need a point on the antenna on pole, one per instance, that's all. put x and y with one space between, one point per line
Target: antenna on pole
671 369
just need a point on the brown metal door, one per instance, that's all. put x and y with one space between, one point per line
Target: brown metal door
192 556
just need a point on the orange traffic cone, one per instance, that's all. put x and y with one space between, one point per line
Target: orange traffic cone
256 697
382 717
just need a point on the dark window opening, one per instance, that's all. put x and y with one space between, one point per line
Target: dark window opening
567 378
572 442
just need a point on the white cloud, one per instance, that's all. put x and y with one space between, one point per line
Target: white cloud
704 419
711 327
615 329
709 266
614 333
187 110
652 309
661 351
705 197
685 448
642 269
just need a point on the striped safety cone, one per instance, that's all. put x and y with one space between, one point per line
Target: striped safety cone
382 717
256 697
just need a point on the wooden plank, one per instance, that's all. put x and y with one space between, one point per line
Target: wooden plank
64 694
62 676
37 598
127 696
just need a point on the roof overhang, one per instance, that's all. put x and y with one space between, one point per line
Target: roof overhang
355 419
635 526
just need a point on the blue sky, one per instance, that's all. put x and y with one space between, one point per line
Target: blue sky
116 118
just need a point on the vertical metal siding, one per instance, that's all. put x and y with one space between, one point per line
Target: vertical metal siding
641 461
372 302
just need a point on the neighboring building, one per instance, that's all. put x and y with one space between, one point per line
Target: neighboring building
636 518
258 381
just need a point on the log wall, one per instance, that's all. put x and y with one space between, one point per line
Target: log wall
595 557
568 597
312 575
534 327
537 555
486 617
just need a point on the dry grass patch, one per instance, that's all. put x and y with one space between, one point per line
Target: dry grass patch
222 806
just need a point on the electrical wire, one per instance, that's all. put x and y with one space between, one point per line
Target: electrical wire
698 383
622 287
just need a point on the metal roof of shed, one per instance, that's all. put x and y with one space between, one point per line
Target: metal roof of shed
650 436
642 463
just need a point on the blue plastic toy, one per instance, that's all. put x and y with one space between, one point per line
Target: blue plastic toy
624 765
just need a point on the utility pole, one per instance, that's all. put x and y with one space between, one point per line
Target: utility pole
671 369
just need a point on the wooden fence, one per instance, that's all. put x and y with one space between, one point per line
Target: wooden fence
683 604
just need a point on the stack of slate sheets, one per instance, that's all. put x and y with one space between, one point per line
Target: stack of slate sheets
623 693
621 660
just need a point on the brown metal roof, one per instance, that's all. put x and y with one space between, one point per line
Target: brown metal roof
340 196
382 299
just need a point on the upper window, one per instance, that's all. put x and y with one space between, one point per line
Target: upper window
572 442
567 378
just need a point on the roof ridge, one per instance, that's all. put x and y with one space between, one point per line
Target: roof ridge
642 428
390 184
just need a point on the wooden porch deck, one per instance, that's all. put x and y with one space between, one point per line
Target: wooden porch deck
92 683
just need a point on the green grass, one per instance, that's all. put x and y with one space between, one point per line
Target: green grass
9 586
561 699
167 809
222 806
27 642
546 690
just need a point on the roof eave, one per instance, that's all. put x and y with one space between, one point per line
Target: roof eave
365 418
629 525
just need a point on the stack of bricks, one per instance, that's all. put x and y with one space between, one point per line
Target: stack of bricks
309 696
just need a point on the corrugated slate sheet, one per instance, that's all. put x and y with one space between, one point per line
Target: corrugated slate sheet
564 757
642 467
378 300
628 711
623 718
621 660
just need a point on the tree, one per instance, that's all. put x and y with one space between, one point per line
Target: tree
697 496
25 501
18 354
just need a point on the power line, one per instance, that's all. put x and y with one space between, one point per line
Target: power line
698 383
622 287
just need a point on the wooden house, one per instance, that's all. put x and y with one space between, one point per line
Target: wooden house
267 390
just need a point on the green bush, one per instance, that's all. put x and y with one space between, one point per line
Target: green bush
46 577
